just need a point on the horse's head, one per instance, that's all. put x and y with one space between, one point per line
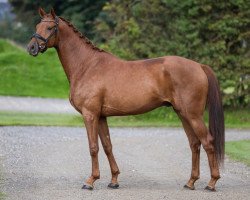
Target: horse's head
46 35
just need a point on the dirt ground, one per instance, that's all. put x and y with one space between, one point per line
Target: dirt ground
51 163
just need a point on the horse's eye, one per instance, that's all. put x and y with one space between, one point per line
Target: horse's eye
49 28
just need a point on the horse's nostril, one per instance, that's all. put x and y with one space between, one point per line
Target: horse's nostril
33 49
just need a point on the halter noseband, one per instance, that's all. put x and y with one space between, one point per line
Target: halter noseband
46 40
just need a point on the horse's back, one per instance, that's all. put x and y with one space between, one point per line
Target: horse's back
174 72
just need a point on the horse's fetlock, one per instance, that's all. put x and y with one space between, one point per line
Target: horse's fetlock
195 177
96 176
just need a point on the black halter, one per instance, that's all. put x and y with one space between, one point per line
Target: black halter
46 40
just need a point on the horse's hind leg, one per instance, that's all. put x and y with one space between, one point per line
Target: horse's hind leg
195 144
107 146
200 130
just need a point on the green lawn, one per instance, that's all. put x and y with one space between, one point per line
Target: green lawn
159 117
162 117
24 75
239 150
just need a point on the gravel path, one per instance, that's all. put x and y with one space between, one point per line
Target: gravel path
51 163
37 105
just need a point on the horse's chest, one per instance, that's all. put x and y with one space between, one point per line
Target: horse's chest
76 98
74 103
84 98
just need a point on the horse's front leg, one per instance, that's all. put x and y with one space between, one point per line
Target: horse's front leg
91 121
107 146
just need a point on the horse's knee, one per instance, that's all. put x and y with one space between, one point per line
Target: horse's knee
107 149
93 150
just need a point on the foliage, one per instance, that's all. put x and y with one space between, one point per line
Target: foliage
81 13
239 150
210 32
22 75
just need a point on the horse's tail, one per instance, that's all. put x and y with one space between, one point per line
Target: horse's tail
216 114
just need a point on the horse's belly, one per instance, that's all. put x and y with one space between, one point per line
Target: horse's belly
130 106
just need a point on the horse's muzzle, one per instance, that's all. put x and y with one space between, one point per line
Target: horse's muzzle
33 49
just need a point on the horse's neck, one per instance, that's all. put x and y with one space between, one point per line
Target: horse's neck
75 55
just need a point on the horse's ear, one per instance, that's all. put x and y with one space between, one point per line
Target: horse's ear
41 12
52 12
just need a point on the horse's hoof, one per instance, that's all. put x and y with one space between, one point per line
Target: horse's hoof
188 187
210 189
113 185
87 187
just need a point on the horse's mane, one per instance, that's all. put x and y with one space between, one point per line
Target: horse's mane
85 39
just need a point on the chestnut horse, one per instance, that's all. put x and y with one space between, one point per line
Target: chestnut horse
102 85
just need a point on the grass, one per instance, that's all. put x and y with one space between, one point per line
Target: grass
239 150
23 75
162 117
237 118
30 119
159 117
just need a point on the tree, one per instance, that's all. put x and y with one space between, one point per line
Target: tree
80 13
211 32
